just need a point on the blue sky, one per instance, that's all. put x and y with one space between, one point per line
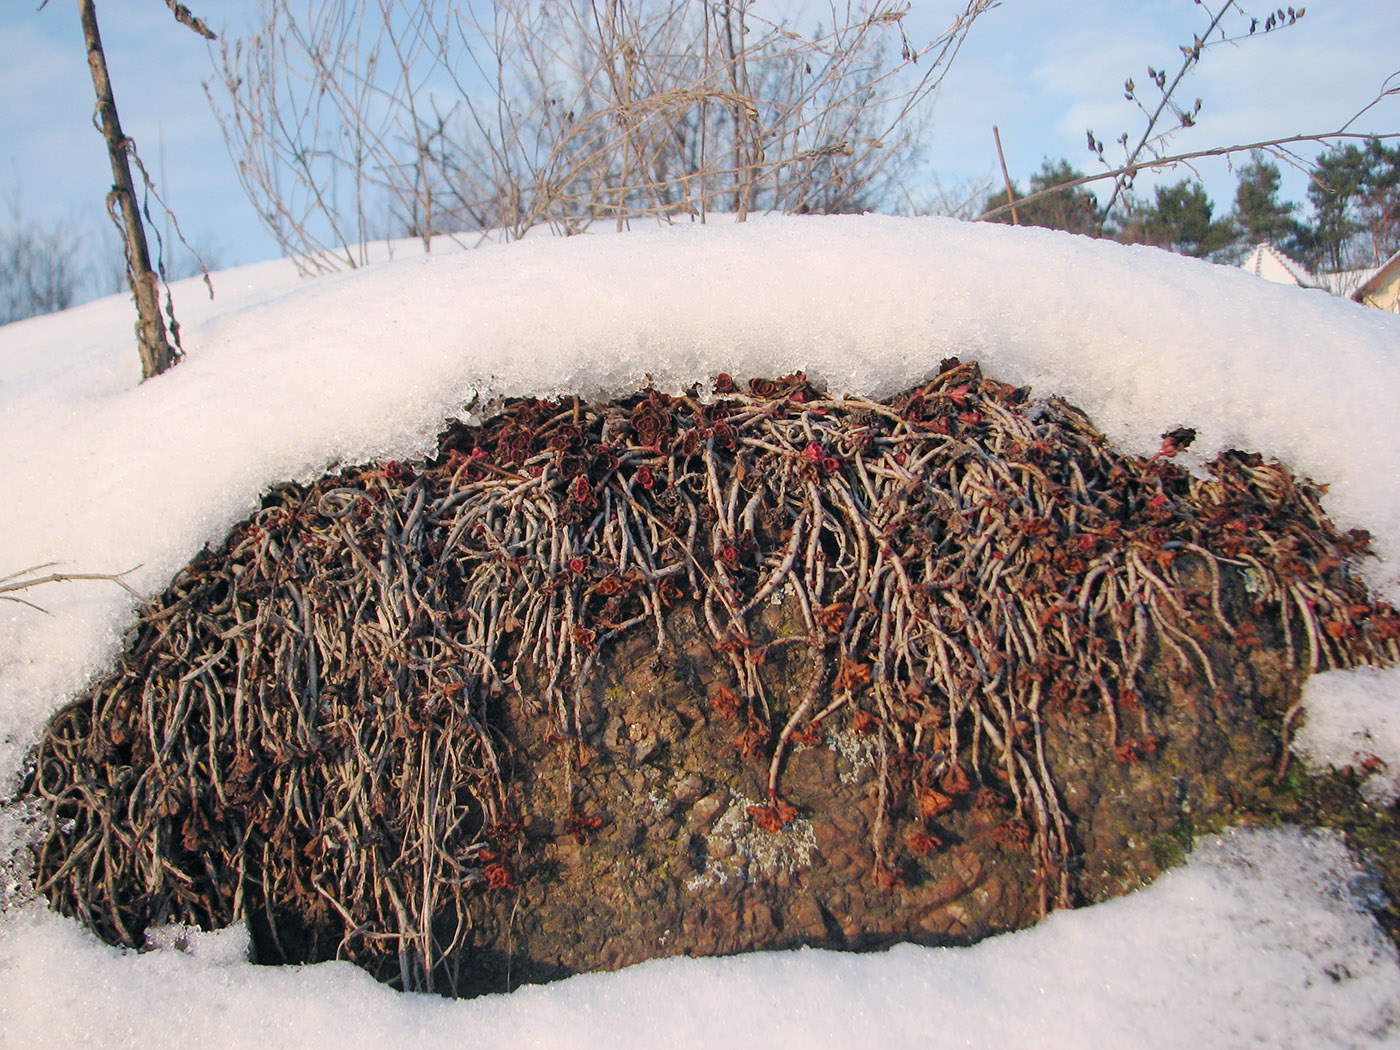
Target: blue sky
1042 70
1045 71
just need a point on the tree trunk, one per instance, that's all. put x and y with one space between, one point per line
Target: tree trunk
151 341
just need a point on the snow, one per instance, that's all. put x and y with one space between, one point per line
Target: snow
1354 719
1255 940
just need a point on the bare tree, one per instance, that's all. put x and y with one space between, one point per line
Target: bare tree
40 267
959 200
522 115
152 340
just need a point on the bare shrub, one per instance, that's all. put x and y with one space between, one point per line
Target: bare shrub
449 119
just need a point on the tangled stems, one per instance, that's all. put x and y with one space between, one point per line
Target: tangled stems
308 722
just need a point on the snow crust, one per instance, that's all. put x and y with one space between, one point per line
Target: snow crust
286 378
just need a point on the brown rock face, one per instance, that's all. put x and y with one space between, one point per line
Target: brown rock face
680 866
600 684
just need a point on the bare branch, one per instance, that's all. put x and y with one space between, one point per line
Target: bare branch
185 18
1270 145
1151 139
16 582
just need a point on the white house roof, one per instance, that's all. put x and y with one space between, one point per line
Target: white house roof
1372 289
1268 262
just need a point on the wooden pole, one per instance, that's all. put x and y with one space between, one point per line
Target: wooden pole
1010 193
157 354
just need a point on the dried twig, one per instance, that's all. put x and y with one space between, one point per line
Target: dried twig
17 582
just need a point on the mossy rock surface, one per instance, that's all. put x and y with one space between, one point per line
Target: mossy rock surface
679 675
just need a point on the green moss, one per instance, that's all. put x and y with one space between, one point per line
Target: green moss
1170 848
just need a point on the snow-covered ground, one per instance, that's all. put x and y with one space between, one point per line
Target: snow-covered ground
1258 939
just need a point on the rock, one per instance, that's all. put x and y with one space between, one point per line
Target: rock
704 812
861 703
689 790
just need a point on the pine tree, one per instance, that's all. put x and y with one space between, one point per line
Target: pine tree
1259 216
1355 194
1335 184
1073 209
1379 206
1180 220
